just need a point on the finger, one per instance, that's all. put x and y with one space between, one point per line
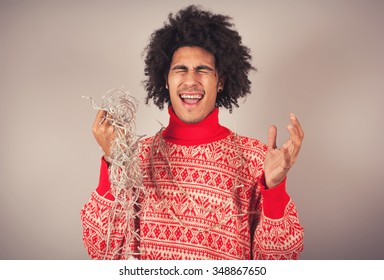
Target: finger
110 131
287 156
294 143
290 146
297 125
296 132
294 135
108 118
272 134
100 117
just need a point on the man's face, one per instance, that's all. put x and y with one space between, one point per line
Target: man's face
192 83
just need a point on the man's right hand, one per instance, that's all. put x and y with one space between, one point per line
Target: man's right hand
104 132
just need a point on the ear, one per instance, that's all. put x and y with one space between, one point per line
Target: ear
220 84
166 81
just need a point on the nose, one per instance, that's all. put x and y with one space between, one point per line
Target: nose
191 77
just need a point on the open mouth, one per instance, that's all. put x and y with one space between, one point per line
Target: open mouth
191 98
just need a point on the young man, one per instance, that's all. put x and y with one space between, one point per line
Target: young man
211 194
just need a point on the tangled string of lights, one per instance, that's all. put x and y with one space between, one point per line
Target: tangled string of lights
124 170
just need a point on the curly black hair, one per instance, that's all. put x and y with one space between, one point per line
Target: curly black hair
213 32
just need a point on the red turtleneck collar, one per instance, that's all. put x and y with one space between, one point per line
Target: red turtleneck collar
206 131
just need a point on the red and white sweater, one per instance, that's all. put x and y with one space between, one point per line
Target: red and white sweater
211 168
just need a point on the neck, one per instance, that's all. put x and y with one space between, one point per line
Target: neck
206 131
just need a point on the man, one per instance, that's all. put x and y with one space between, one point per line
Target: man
211 194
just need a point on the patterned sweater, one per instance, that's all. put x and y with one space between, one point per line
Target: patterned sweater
206 199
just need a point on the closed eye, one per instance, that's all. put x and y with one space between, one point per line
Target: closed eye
201 69
179 69
204 69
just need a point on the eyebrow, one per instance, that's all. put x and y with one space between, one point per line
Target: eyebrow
179 67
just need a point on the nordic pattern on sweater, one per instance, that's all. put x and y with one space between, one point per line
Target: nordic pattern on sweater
205 202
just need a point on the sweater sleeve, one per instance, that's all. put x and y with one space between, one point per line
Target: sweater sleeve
103 239
274 200
104 187
279 234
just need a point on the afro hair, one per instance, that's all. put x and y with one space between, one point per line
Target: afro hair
213 32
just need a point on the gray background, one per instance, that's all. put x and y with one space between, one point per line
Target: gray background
322 60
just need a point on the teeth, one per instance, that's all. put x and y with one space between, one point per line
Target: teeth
191 96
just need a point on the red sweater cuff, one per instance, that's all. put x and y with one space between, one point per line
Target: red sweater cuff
104 187
275 199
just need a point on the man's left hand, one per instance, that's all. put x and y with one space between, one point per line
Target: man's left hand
279 161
